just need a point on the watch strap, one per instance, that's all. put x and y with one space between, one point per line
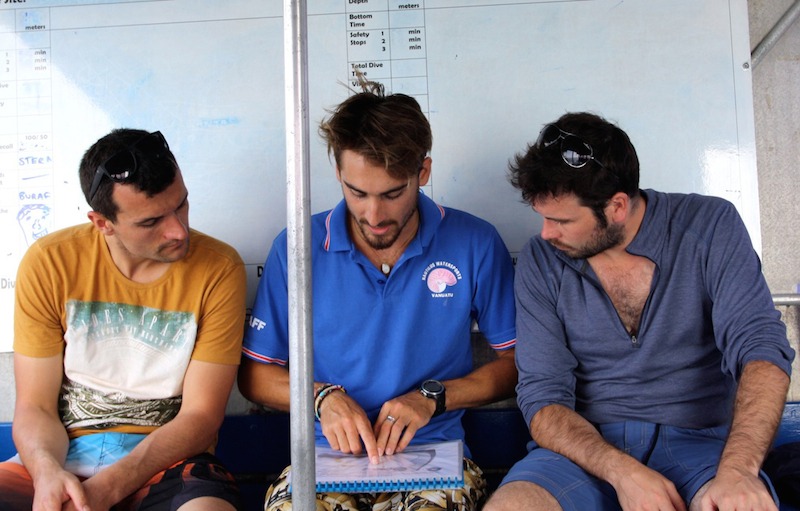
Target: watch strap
438 397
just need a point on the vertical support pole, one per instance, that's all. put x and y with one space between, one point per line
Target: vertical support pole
299 255
775 33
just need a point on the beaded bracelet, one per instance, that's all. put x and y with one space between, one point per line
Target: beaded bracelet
322 393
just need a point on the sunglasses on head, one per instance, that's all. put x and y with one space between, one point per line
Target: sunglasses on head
123 165
574 151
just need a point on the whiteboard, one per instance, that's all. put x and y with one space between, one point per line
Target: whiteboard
488 73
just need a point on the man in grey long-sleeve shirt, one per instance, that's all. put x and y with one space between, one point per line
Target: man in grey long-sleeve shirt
653 367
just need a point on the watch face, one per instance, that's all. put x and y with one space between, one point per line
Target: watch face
433 386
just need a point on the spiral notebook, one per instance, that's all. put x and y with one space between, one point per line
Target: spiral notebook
427 466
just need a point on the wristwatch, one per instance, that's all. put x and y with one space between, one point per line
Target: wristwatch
434 389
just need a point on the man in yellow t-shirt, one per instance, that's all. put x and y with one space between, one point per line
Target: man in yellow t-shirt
127 338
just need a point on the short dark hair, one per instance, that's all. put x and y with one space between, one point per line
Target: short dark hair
152 176
388 130
542 172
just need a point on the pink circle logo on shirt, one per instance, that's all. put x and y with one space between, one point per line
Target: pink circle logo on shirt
439 279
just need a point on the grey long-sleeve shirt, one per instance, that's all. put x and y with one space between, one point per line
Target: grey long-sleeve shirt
708 314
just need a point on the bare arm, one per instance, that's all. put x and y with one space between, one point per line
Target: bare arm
39 434
266 384
206 390
344 422
562 430
760 399
346 425
490 382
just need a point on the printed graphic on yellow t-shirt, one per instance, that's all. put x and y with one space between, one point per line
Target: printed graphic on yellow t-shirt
124 364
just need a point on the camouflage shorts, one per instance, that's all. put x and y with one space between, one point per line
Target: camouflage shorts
467 498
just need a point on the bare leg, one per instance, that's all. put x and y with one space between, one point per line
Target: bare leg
510 497
694 505
206 504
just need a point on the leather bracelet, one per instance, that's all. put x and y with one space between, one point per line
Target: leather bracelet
322 393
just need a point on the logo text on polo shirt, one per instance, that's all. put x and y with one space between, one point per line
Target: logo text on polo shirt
256 323
439 277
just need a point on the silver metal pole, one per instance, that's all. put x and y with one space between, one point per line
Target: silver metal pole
775 33
299 255
786 299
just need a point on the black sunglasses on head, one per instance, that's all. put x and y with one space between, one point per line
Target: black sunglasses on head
574 151
122 165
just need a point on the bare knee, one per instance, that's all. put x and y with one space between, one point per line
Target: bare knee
694 505
207 504
521 496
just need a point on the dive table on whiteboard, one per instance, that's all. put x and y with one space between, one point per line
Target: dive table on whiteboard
488 73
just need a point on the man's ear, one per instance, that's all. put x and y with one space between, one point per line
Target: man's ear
101 223
619 207
425 171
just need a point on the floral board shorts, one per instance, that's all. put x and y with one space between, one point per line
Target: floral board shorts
467 498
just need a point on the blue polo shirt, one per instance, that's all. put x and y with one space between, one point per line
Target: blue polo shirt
380 336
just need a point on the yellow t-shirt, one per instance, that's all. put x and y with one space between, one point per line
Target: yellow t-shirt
126 345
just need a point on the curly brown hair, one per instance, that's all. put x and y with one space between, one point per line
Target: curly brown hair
388 130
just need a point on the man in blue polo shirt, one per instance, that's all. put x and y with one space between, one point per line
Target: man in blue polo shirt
398 281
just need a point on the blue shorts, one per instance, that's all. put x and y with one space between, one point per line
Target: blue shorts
198 476
687 457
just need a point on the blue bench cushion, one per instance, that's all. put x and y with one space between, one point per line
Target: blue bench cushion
6 442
